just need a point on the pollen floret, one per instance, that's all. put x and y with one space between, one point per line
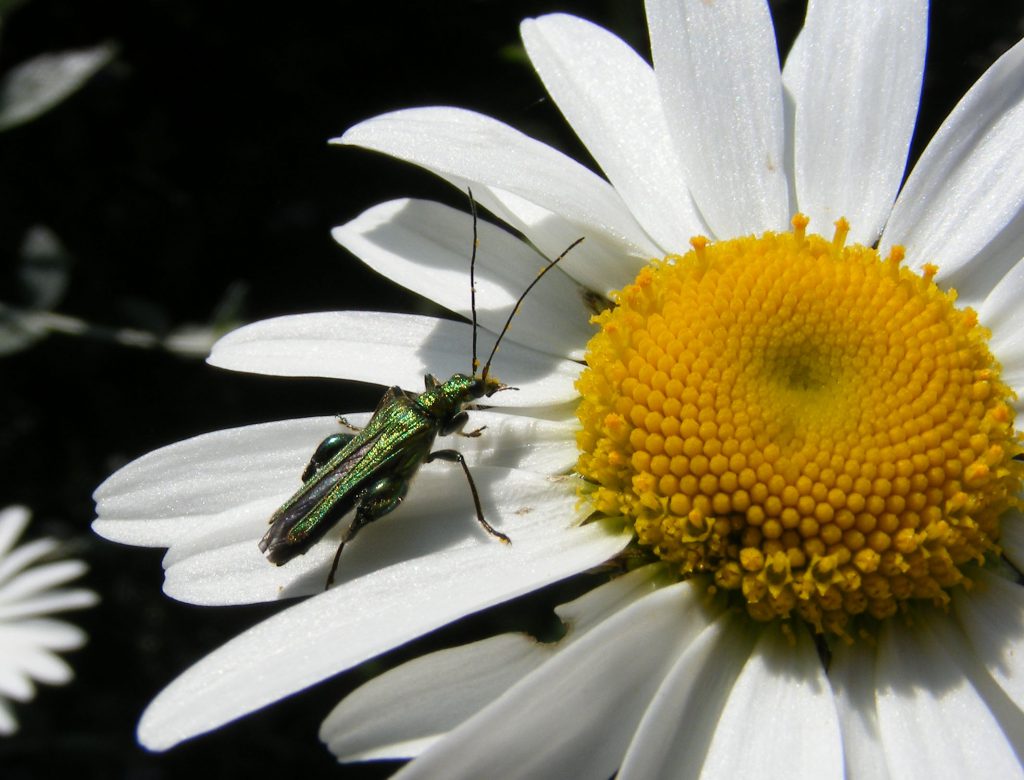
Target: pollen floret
816 429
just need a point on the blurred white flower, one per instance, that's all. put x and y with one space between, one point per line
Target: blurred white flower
29 591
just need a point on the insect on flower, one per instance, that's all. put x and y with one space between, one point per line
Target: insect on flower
370 469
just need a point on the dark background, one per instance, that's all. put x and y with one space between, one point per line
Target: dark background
198 161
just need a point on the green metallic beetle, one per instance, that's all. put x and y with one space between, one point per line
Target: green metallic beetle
370 470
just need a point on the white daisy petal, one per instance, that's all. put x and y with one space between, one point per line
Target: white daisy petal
14 683
388 349
230 569
718 72
946 632
25 556
1012 539
693 693
1002 314
28 641
609 95
464 146
236 478
335 630
628 653
13 521
42 632
856 83
924 698
425 246
520 442
23 664
784 691
407 709
40 578
43 666
961 208
54 601
992 615
403 712
599 263
184 489
852 674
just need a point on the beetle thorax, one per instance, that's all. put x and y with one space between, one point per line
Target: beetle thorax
448 398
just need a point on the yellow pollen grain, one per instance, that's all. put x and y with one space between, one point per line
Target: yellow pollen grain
818 429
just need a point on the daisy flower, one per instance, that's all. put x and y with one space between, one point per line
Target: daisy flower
799 417
29 642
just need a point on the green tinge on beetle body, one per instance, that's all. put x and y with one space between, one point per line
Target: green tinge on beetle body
377 463
370 471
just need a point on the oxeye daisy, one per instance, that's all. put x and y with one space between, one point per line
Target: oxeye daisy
29 592
777 386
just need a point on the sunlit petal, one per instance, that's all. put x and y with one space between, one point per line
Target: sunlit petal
339 628
465 146
784 691
694 693
856 83
404 711
853 678
718 71
423 246
925 699
609 95
629 653
388 349
963 205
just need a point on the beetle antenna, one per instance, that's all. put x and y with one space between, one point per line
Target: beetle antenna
472 277
504 330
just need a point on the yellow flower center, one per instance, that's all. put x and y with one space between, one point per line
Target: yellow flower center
818 431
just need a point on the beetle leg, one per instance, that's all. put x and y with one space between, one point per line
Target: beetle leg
326 450
357 522
344 423
456 424
454 456
379 499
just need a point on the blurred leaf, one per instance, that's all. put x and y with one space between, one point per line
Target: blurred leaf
37 85
514 53
192 341
44 268
6 6
16 331
229 312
